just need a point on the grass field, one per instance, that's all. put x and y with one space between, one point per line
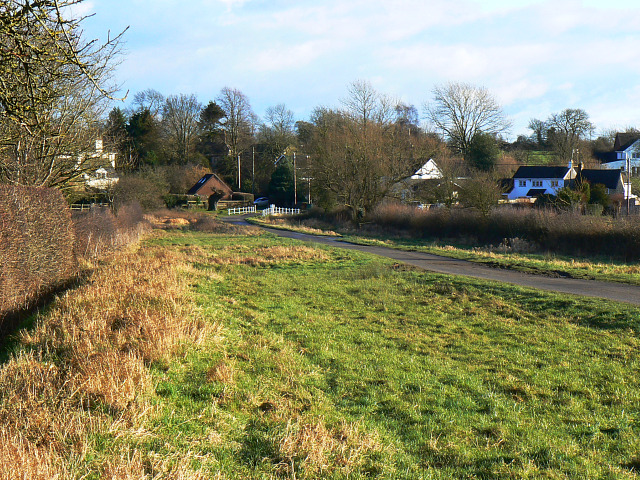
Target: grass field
325 363
340 365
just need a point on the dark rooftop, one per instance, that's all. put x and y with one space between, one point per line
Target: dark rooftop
541 172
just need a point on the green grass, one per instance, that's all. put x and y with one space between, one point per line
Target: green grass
336 364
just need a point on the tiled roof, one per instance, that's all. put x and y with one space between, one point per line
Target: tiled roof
608 178
541 172
193 190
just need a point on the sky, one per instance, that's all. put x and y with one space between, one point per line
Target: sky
537 57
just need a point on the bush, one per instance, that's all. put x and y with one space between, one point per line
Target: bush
558 231
41 242
145 188
99 231
36 245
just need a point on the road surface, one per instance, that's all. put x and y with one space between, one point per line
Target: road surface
619 292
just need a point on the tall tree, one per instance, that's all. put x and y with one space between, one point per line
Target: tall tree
460 110
360 153
116 137
277 132
143 133
239 120
53 86
180 116
566 130
211 142
151 100
483 152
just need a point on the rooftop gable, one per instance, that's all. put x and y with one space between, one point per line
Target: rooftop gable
625 140
209 184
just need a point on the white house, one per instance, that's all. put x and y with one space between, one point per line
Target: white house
533 181
627 153
105 175
428 171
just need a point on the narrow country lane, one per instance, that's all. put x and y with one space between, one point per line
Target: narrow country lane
619 292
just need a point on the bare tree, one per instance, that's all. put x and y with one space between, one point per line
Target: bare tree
53 84
359 154
277 133
481 191
151 100
566 130
180 116
239 119
460 110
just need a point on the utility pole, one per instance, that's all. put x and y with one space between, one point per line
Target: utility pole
239 172
628 186
295 183
253 170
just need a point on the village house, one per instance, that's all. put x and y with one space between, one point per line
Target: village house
626 154
104 177
530 182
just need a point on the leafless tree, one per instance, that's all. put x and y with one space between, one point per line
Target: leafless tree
358 153
566 130
53 86
180 116
151 100
460 110
239 119
481 191
277 132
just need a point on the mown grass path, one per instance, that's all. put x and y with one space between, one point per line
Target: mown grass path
452 266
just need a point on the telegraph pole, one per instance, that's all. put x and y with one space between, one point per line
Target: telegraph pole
295 184
628 189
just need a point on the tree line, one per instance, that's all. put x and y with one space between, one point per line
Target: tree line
56 89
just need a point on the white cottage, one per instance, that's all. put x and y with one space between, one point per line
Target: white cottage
533 181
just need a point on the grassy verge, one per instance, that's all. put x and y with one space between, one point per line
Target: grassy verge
541 264
295 361
288 223
525 262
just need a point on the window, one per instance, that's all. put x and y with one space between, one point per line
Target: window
522 183
554 183
536 183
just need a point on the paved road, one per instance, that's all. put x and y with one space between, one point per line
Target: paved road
608 290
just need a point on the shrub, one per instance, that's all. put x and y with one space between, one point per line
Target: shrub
146 188
565 232
41 241
36 245
99 230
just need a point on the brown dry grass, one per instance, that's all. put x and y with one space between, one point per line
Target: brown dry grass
82 369
196 221
320 450
263 256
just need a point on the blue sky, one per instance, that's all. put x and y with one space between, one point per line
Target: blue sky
537 57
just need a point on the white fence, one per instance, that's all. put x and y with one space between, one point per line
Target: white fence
241 210
273 210
87 206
